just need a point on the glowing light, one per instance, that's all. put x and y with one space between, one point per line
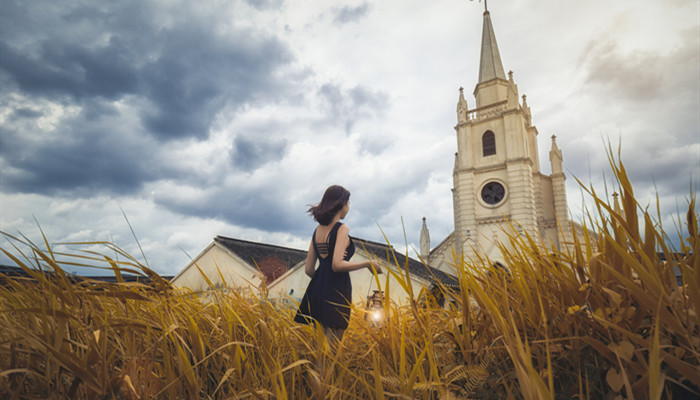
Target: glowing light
375 309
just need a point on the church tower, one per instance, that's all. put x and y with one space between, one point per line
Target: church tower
496 178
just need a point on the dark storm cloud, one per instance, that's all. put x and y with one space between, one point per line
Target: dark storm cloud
186 74
250 153
261 208
77 158
349 106
266 205
670 169
24 113
67 70
654 165
197 74
640 85
169 67
351 14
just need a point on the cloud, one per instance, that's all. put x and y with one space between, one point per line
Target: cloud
643 75
250 153
265 4
348 106
197 73
89 101
258 204
625 76
78 155
643 98
180 74
66 70
348 14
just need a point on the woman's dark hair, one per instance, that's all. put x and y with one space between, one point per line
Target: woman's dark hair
334 199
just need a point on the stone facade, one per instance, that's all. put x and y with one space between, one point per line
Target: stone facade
498 185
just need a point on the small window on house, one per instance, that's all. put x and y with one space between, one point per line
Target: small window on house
488 142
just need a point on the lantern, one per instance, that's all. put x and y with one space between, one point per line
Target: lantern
375 309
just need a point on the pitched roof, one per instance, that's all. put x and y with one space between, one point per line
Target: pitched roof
17 272
386 252
272 261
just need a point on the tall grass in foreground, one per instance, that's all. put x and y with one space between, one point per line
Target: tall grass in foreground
604 319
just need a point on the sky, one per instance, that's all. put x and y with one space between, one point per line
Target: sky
197 119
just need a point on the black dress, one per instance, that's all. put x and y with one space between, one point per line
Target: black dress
328 296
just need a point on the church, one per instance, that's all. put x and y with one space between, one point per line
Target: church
497 186
497 182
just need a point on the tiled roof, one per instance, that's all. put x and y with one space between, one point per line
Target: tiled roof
17 272
387 253
273 261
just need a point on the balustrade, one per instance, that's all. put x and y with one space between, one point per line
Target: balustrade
488 111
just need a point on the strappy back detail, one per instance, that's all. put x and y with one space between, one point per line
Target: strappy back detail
324 249
328 296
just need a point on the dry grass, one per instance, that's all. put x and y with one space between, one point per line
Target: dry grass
604 319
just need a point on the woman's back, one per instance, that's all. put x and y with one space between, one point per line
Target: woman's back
329 293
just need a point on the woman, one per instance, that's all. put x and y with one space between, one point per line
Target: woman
328 296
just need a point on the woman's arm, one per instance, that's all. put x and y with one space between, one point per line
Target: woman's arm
310 267
341 243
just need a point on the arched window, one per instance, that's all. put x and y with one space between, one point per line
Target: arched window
488 142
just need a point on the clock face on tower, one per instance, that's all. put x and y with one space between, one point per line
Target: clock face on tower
492 193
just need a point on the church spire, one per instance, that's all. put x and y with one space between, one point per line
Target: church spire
490 66
424 241
555 157
462 108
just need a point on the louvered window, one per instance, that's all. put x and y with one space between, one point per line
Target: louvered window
488 142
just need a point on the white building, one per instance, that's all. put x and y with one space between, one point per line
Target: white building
279 271
497 178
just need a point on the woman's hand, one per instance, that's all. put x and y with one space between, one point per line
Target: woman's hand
374 265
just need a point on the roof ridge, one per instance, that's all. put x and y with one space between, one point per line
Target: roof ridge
257 243
373 242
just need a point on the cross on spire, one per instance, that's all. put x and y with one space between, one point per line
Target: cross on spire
486 7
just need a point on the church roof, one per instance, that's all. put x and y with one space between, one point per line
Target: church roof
490 66
272 261
386 253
